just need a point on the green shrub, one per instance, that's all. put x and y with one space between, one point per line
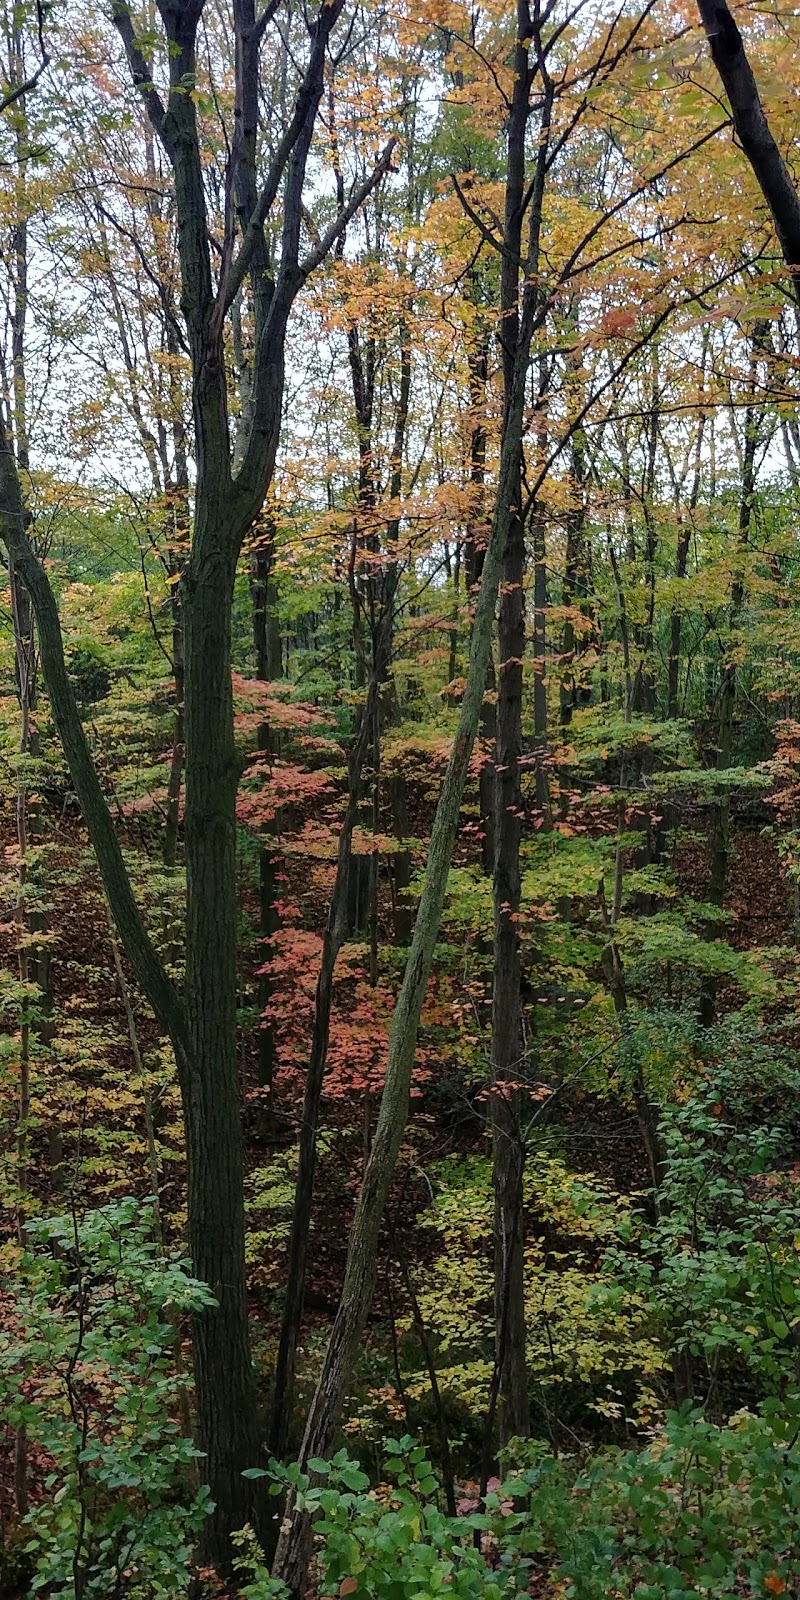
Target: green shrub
702 1511
86 1366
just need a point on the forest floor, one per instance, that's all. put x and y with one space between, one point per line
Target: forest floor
85 1092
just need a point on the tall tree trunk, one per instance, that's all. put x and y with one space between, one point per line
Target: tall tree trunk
474 556
175 781
335 935
231 1433
572 585
644 692
508 1154
721 810
381 590
540 727
685 529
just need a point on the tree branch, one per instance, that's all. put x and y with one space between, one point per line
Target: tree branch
141 71
323 244
749 120
306 104
19 89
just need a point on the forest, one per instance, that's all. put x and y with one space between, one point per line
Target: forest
399 799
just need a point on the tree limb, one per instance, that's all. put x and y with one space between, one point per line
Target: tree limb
305 105
19 89
141 71
753 130
324 243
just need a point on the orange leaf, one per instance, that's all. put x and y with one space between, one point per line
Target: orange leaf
347 1586
775 1584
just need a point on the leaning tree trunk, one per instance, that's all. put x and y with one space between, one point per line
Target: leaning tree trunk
323 1421
334 938
356 1297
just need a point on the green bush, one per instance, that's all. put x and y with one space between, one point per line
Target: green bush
702 1511
720 1268
87 1368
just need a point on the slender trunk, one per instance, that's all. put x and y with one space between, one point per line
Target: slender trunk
374 855
268 665
269 863
572 585
178 736
456 581
720 813
402 912
323 1420
474 551
508 1065
335 935
540 727
153 1168
644 693
381 590
448 1477
264 596
624 631
614 972
685 530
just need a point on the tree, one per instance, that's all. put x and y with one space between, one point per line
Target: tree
201 1021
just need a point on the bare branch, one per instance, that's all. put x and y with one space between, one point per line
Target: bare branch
30 83
324 243
491 238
